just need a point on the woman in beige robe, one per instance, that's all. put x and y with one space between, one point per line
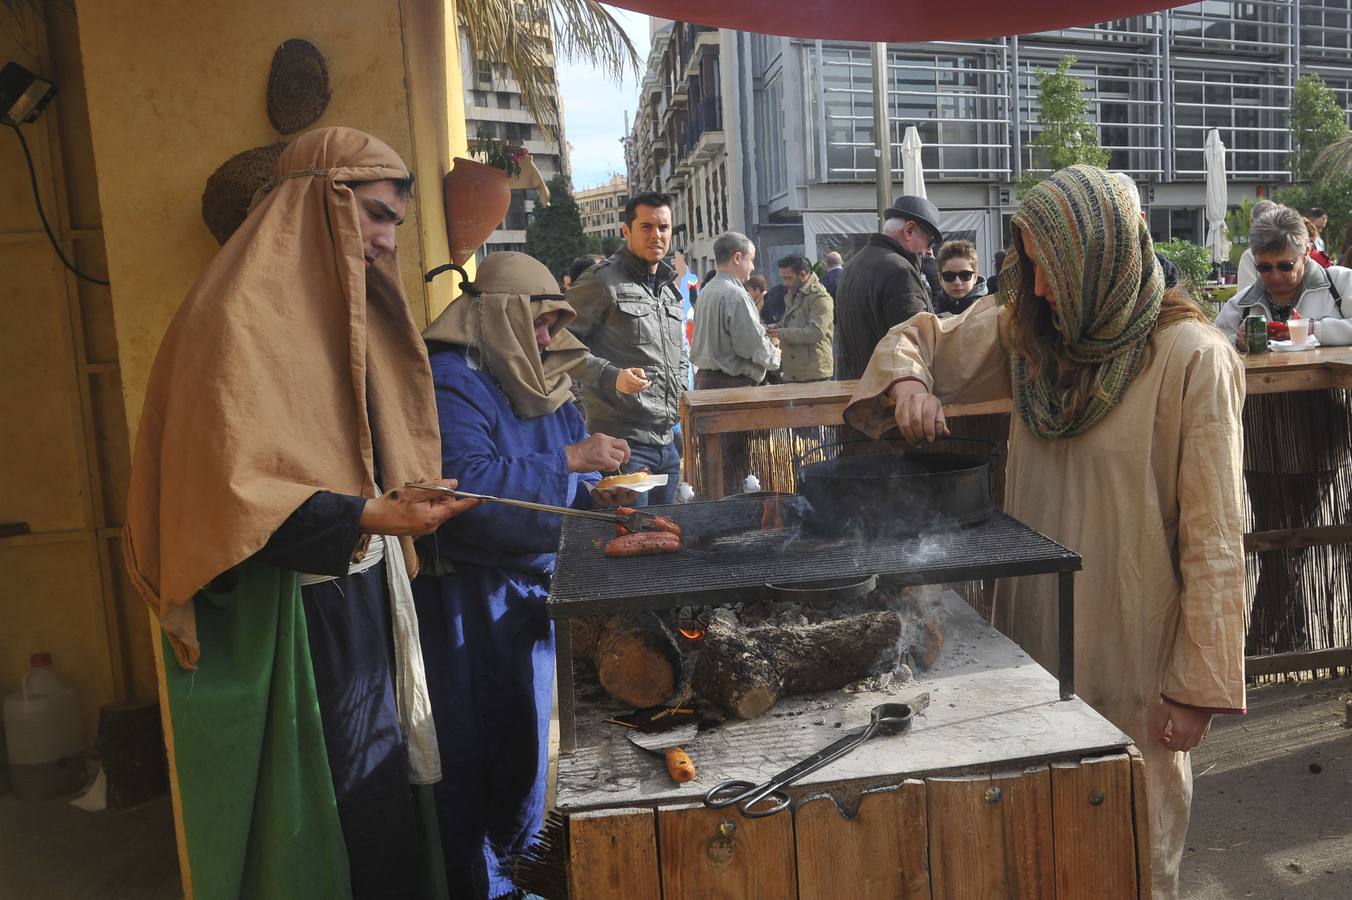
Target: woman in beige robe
1125 445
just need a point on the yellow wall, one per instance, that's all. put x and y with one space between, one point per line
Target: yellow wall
64 450
177 87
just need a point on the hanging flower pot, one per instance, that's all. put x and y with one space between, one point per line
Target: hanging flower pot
477 198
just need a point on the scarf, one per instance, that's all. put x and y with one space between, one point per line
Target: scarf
495 317
1096 256
290 367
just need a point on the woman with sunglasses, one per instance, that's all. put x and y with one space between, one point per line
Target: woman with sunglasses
961 283
1286 280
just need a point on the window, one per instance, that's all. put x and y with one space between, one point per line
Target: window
772 174
1248 107
957 100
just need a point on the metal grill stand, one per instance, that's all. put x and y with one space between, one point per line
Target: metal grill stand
729 556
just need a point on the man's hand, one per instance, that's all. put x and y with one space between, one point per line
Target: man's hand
598 453
412 512
631 381
919 414
1179 728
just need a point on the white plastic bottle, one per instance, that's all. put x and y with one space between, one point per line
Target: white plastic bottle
43 735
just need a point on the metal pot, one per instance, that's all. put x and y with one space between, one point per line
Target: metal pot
891 488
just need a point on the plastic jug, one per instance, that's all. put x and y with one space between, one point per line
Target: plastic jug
43 734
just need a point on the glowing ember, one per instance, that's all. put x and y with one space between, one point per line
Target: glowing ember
691 634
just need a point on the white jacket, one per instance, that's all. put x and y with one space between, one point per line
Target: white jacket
1327 293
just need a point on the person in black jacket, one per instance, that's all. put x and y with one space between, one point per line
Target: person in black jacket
882 286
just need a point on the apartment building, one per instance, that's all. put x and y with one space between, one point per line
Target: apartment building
802 114
601 206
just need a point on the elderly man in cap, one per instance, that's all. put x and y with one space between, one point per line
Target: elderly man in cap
882 286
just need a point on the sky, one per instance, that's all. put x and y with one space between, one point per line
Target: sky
594 106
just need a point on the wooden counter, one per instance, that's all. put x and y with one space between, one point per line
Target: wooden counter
708 415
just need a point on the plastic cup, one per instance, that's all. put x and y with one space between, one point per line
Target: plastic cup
1300 331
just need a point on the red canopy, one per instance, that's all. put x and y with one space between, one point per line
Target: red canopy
892 20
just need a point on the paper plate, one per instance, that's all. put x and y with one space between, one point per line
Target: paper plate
1311 343
638 487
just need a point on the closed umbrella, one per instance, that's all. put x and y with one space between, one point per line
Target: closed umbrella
1216 194
912 172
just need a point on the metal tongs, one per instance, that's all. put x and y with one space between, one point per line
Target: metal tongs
885 719
633 521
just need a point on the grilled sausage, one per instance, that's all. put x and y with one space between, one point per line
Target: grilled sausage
656 523
645 543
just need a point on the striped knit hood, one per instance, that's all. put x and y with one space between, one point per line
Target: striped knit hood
1098 261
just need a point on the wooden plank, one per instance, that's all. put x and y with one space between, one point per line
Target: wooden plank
1299 661
1297 538
1281 382
612 855
718 854
1092 821
1141 821
991 836
712 485
879 852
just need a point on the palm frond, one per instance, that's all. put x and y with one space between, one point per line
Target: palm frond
512 32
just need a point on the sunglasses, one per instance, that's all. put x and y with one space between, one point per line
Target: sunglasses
964 275
1285 265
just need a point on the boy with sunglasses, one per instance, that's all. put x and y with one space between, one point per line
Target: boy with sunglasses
961 283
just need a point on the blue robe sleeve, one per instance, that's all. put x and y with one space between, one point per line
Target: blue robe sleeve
486 447
319 537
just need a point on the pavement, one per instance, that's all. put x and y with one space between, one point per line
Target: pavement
1272 799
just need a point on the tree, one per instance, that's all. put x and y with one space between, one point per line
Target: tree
583 31
1334 195
1067 136
1316 122
554 235
603 245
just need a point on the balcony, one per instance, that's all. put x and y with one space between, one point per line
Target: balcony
705 41
692 36
681 94
706 130
659 149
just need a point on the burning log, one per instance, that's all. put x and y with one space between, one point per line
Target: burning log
638 661
745 672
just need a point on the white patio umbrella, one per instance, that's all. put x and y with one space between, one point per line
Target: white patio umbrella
912 173
1216 193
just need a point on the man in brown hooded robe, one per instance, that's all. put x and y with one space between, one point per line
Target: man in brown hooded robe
291 388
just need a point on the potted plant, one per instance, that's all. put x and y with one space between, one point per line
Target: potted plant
478 195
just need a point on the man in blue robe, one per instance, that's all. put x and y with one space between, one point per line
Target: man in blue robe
500 361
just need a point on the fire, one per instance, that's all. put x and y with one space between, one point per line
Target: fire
691 634
770 514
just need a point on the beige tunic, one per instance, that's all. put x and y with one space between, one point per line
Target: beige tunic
1151 497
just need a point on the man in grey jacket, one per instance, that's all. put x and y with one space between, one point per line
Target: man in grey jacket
630 317
730 348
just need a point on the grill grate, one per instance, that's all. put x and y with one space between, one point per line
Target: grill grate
729 554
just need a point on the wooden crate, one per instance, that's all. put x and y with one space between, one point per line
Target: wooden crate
1059 830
